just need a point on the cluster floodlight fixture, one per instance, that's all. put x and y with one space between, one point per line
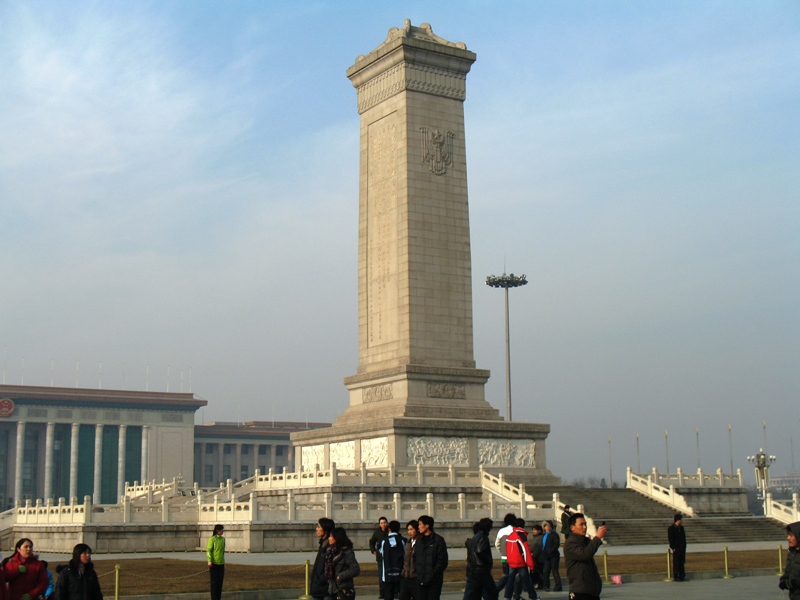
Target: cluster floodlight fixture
505 282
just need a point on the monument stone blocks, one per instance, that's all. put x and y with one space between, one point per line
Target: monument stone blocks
417 397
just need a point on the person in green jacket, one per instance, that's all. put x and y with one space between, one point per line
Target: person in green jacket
215 555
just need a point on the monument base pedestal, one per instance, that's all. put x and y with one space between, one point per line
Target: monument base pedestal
514 449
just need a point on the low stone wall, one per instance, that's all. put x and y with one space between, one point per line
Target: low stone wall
709 501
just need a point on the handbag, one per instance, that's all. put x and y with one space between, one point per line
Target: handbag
347 593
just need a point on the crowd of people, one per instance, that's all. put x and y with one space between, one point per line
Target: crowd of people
24 576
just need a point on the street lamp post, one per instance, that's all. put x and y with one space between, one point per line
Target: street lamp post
507 281
762 462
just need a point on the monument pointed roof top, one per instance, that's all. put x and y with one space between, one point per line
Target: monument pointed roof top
423 32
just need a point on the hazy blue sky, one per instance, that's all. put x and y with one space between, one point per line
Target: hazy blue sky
178 188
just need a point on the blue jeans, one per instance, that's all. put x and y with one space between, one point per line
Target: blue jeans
525 580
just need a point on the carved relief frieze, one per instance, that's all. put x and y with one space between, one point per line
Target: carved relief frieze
343 454
437 149
376 393
437 451
375 452
507 453
409 76
37 412
446 390
312 456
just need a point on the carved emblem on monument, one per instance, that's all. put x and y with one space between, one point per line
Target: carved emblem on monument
377 393
436 149
446 390
437 451
508 453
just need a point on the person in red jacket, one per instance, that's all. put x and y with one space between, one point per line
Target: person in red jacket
25 574
520 560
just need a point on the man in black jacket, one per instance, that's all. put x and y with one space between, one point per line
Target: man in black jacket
380 534
319 583
579 551
480 582
677 543
430 560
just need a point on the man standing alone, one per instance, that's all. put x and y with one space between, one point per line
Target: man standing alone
430 560
215 555
677 543
380 534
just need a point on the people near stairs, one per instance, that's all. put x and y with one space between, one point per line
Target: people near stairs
380 534
677 544
392 551
318 585
51 585
78 580
509 522
551 543
790 579
535 542
408 577
579 550
565 522
341 566
520 561
215 556
430 560
480 583
24 572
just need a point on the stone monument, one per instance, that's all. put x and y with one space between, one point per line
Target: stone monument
417 397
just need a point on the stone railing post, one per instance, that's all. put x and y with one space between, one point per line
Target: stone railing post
795 508
420 476
362 506
334 474
700 477
126 509
650 485
451 473
580 509
291 508
680 476
87 509
739 474
429 504
628 478
493 506
269 478
655 476
556 500
523 504
393 476
363 473
229 485
501 478
329 505
253 506
164 509
462 506
721 478
768 504
672 495
397 501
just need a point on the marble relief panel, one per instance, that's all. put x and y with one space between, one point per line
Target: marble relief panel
375 452
344 454
311 456
437 451
506 453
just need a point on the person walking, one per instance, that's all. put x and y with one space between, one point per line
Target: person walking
790 580
409 583
430 560
480 583
319 582
535 543
677 544
24 572
551 557
78 580
393 551
215 556
565 522
579 550
520 562
509 522
380 534
341 566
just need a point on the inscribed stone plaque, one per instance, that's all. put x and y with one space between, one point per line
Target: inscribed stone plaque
382 276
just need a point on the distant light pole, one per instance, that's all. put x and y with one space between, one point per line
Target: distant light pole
610 472
697 444
666 445
730 446
762 463
507 281
638 464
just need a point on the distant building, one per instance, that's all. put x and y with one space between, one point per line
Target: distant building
785 483
234 451
73 442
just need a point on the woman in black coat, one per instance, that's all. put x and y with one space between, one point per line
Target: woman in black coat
78 580
341 565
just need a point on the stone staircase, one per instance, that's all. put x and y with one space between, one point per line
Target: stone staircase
633 519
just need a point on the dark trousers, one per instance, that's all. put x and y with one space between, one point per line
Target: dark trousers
525 580
431 591
391 589
583 597
480 587
217 574
501 583
679 564
408 589
381 586
551 566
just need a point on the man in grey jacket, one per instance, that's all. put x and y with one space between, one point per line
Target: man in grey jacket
584 578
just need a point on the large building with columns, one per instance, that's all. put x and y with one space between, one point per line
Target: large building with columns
72 442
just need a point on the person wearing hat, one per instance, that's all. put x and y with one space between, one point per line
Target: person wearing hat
677 544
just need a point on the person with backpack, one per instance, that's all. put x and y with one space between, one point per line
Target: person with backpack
393 552
480 583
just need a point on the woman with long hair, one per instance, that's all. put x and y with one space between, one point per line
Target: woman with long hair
25 573
78 580
408 578
341 565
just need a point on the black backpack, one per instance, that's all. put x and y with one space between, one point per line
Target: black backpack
393 549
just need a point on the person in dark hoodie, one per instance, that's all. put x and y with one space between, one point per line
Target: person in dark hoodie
790 580
78 579
318 582
480 583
